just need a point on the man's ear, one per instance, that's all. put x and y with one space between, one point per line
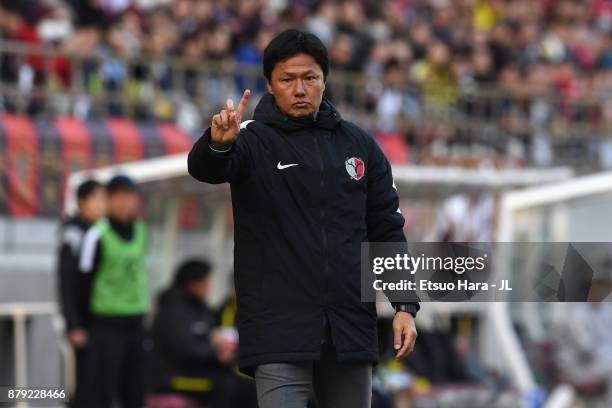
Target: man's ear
268 87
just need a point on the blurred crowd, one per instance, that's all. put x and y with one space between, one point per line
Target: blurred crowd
564 45
520 64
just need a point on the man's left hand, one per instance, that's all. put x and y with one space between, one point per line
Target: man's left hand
404 334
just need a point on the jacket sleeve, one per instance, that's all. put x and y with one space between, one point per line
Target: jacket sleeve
212 166
91 253
68 260
384 219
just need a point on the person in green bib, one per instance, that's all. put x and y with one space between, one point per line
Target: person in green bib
114 252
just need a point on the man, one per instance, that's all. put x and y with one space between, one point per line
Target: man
73 286
113 254
583 339
307 189
190 355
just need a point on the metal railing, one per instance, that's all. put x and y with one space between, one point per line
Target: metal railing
447 120
19 313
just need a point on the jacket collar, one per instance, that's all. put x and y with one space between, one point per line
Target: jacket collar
268 112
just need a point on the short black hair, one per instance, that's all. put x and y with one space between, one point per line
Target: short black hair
291 42
120 183
190 271
87 188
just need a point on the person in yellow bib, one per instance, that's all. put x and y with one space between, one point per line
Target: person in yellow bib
114 251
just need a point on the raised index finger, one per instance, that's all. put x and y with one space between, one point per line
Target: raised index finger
243 101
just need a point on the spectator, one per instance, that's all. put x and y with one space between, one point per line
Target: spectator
465 218
583 340
191 358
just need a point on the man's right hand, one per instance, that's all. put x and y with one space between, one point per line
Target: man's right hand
226 124
226 350
77 338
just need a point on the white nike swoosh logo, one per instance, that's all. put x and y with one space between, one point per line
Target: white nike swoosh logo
284 166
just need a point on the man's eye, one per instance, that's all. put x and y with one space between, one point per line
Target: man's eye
286 80
311 78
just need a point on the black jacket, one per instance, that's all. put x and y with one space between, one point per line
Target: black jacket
181 345
298 230
74 287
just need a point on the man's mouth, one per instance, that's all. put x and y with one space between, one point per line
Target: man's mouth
301 105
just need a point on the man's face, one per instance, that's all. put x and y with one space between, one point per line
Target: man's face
93 206
123 205
200 288
297 85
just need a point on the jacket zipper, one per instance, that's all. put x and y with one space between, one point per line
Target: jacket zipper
325 247
322 212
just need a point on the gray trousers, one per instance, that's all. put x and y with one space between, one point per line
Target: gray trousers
334 384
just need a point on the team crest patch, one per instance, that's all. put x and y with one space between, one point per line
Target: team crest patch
355 168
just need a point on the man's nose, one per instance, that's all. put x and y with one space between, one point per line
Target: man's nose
299 88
